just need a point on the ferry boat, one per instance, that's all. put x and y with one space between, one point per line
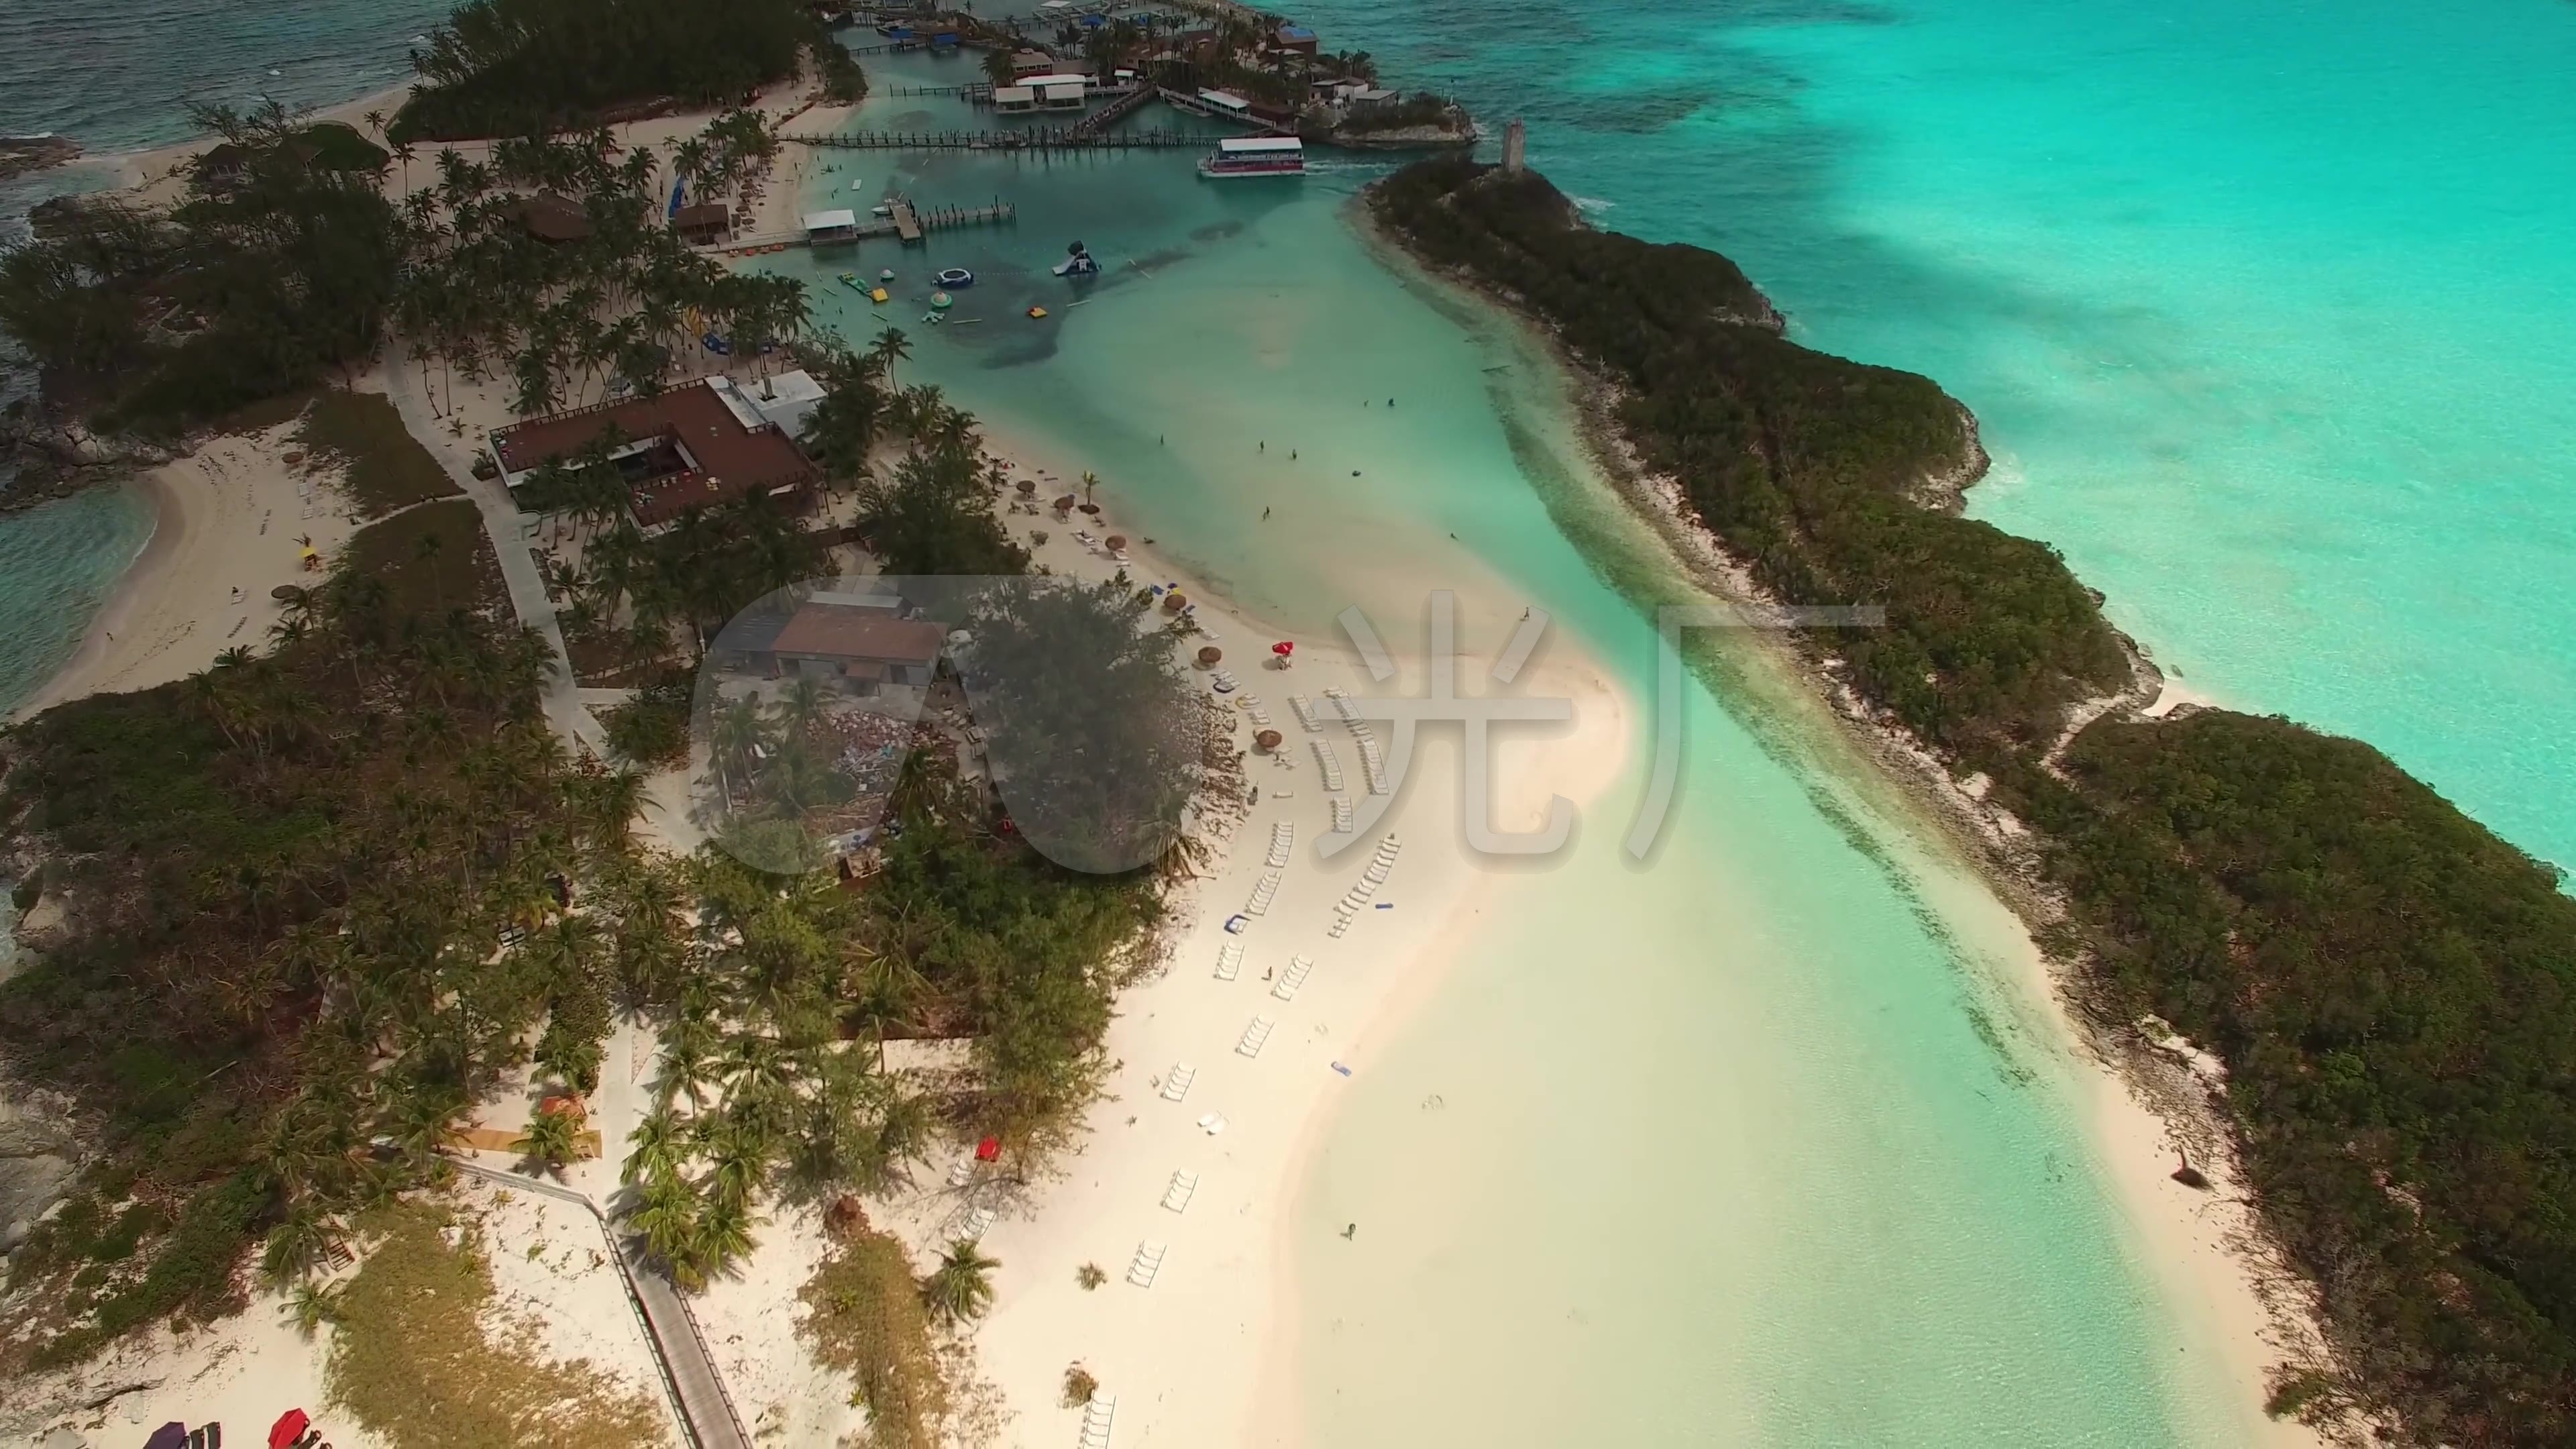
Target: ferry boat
1255 156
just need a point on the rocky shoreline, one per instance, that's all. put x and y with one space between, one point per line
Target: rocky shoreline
22 154
53 460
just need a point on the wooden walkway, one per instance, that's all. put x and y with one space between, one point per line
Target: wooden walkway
908 222
679 1346
1184 101
1033 138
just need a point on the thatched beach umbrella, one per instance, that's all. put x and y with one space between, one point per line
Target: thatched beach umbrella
286 593
1267 739
1210 656
1028 488
1064 505
1117 541
1173 603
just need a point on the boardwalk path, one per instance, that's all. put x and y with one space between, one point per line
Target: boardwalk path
697 1391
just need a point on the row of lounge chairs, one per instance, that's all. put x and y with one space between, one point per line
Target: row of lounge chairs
1330 764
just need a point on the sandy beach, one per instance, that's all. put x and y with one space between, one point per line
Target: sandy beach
228 523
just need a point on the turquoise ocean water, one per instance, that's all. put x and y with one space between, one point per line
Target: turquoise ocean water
2264 306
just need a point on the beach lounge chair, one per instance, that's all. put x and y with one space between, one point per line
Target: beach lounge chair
1283 839
1212 1123
1229 960
1305 709
964 1169
1292 978
1147 1262
1176 1085
1252 707
1097 1416
1177 1196
1262 894
1254 1034
1330 764
1342 823
977 1224
1342 705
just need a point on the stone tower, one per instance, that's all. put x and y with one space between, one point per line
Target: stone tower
1515 139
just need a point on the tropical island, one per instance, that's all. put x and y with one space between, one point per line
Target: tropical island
385 933
2384 981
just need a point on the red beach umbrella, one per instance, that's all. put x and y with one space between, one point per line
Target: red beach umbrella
290 1426
1283 648
989 1150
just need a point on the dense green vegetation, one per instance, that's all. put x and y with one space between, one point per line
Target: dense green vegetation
292 880
1806 464
2392 988
523 67
769 1081
2394 992
259 283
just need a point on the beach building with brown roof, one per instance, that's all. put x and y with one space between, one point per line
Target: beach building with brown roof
688 447
861 646
553 219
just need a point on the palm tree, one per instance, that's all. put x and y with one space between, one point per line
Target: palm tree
310 1306
891 347
961 1287
301 1242
1090 481
658 1144
551 1139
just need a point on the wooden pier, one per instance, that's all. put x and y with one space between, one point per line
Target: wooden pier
1184 101
908 223
1032 138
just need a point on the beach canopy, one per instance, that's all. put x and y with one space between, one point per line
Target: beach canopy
172 1435
290 1426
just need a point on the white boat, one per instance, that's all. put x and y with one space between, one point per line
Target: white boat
1255 156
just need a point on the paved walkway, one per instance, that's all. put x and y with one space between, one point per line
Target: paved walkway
671 1330
510 531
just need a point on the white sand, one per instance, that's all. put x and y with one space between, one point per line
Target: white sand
228 520
1186 1358
241 1373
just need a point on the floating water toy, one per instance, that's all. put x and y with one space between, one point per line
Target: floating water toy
956 277
877 294
941 301
1037 311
